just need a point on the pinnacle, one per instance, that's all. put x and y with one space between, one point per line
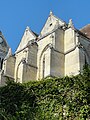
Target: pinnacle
51 12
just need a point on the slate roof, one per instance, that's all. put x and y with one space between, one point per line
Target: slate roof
86 30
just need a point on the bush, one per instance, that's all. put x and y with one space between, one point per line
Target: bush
65 98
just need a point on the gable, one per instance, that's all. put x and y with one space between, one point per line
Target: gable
28 35
51 23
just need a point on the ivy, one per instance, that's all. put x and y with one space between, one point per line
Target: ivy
65 98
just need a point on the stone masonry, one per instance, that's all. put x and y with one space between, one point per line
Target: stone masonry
59 50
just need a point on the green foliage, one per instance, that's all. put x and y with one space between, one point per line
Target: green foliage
65 98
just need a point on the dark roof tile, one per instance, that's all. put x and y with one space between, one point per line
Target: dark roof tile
86 30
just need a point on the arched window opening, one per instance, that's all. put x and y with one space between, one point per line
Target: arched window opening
1 64
44 67
85 60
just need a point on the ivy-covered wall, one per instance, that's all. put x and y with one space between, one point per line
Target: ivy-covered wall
65 98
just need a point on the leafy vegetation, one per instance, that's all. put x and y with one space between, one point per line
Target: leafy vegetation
65 98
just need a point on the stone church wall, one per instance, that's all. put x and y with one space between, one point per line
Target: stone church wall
72 63
69 40
59 40
30 65
71 51
9 66
2 79
84 53
59 50
29 73
32 54
57 64
43 45
19 66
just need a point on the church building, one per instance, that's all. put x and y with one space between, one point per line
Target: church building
59 50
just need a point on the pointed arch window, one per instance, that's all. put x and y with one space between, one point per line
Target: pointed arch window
43 66
1 64
85 60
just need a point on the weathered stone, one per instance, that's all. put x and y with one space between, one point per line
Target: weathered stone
59 50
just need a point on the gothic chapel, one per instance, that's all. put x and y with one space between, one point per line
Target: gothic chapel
59 50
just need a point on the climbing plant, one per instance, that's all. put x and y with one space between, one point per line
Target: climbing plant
65 98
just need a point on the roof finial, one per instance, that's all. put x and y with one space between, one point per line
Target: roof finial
27 28
51 12
70 24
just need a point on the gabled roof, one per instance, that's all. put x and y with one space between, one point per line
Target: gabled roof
27 36
86 30
51 22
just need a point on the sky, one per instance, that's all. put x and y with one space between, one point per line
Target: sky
16 15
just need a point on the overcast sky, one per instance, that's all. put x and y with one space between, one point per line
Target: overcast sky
15 15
